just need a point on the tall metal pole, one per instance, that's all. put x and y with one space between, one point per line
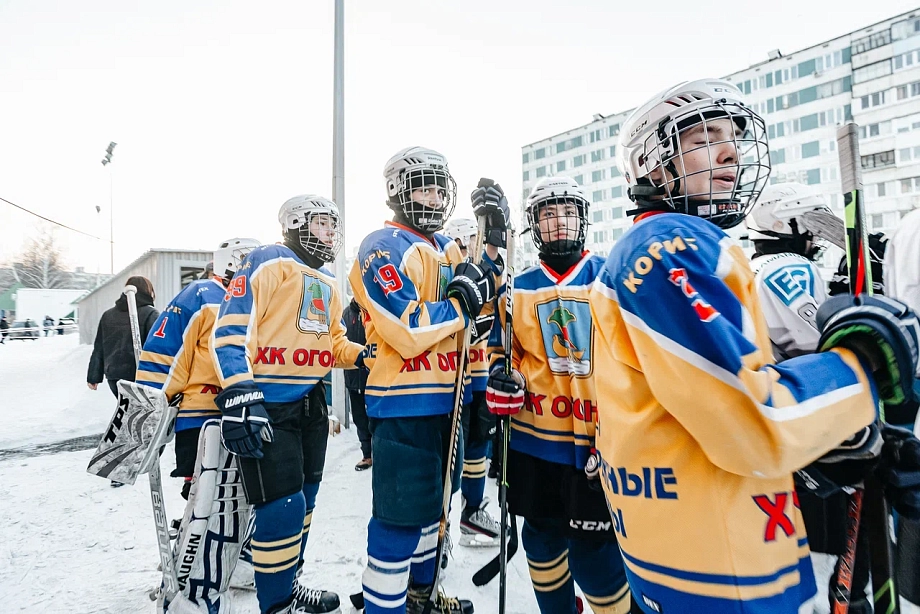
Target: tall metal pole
111 228
338 181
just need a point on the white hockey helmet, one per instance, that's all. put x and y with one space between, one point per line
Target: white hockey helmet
411 169
303 215
558 191
229 256
461 229
794 212
652 155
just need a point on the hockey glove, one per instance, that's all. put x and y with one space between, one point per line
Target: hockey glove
504 393
489 201
883 332
481 328
244 423
473 287
849 463
899 470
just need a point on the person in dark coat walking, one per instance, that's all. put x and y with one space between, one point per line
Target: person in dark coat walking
113 352
356 381
4 329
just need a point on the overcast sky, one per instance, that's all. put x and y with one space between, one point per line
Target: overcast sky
222 109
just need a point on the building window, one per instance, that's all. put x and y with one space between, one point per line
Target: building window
876 160
880 189
526 175
613 151
613 130
541 171
905 29
596 135
872 41
614 172
777 156
878 220
577 141
812 149
809 122
872 71
579 179
597 196
597 215
597 176
616 213
597 155
560 166
616 233
526 157
813 176
539 153
616 191
578 161
904 155
562 146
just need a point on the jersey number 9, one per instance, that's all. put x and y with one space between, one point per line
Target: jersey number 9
388 278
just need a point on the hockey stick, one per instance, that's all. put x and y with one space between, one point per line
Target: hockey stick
463 361
499 564
867 508
170 583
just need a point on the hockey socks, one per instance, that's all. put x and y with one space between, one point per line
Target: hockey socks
309 495
391 551
473 479
276 548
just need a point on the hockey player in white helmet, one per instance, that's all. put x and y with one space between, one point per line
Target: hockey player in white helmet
176 360
788 282
477 525
551 400
699 430
418 293
278 334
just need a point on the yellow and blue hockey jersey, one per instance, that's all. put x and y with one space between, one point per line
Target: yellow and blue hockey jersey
700 432
280 326
176 356
400 278
552 349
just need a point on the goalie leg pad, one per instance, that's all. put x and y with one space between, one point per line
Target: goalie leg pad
215 523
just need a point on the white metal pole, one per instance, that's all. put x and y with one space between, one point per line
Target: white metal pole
111 226
338 185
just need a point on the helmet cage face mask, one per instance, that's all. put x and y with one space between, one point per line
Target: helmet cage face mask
721 130
312 244
422 217
576 225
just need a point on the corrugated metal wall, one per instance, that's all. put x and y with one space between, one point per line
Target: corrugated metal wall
161 268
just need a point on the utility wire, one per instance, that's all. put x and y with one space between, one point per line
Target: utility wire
50 220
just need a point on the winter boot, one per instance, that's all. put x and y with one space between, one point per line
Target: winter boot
308 601
418 597
477 527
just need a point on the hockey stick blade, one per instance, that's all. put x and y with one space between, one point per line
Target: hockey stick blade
488 571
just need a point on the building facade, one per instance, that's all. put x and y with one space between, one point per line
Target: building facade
870 76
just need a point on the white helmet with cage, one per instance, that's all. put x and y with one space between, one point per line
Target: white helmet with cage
229 256
413 169
794 213
461 229
696 148
558 191
314 223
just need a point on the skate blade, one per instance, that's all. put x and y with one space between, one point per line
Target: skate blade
478 540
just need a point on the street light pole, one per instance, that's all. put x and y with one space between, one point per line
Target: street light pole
338 177
109 152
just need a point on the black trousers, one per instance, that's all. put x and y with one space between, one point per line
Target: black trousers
359 415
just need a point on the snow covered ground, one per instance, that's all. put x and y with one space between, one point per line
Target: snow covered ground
71 543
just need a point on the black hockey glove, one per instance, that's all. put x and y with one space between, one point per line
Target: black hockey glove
473 287
244 423
481 328
849 463
883 332
489 201
899 470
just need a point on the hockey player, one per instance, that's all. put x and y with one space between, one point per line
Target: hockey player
176 359
418 294
699 431
278 334
477 526
567 533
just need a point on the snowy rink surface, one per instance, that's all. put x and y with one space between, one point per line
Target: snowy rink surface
71 543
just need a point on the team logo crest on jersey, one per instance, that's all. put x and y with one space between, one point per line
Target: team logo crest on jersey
566 328
445 274
314 307
790 282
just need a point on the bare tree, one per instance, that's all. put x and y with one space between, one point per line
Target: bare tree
40 265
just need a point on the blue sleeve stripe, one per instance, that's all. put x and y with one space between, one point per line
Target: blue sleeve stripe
404 387
157 385
152 367
529 427
817 393
230 330
708 578
295 378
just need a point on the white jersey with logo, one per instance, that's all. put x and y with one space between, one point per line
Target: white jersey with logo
790 289
902 262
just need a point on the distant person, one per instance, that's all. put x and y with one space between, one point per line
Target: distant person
113 353
60 324
4 329
356 381
48 324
